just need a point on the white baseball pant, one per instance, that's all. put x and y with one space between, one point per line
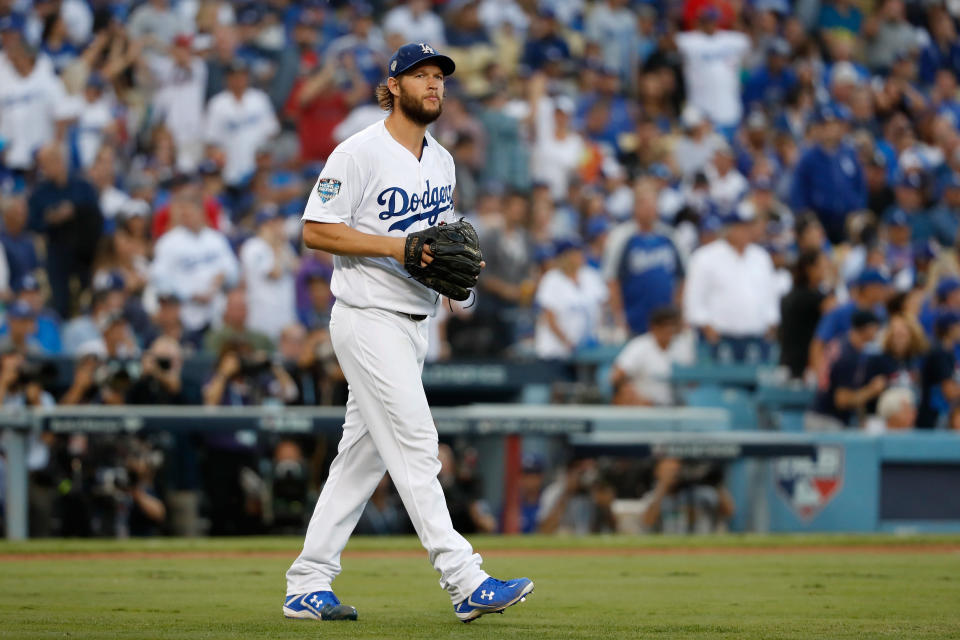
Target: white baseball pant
388 427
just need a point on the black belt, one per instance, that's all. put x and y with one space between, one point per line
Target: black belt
416 317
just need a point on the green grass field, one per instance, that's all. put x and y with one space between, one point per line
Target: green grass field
611 587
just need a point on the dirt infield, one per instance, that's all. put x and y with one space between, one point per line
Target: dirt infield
495 553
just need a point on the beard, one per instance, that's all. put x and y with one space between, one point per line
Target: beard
414 109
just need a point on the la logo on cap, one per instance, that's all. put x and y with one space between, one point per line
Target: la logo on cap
425 48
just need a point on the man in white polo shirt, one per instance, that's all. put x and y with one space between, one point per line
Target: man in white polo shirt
240 120
711 68
731 289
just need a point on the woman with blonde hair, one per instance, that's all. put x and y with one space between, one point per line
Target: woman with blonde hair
903 345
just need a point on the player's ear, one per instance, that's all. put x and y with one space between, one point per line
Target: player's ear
393 84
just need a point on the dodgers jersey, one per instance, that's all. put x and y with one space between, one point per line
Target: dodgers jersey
374 184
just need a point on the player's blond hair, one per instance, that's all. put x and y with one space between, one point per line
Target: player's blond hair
384 97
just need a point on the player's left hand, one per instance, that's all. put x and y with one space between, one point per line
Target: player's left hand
446 258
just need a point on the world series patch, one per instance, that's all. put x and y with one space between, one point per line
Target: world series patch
328 188
809 484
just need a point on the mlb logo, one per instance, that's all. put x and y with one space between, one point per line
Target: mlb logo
809 484
327 189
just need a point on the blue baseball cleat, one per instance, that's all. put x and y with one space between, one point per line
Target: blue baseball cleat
319 605
493 596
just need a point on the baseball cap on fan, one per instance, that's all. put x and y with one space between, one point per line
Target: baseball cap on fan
413 54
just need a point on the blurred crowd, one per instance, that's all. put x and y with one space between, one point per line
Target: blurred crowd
768 181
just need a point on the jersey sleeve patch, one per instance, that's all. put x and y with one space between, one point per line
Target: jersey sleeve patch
328 188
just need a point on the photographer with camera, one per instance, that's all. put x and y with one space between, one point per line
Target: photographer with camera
244 376
160 376
146 512
578 502
22 381
687 497
97 379
311 363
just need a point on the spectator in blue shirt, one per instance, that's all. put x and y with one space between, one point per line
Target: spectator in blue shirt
909 199
644 269
945 217
943 50
899 252
946 297
20 331
65 209
18 242
544 45
840 15
829 178
849 390
939 376
943 96
47 333
869 292
768 85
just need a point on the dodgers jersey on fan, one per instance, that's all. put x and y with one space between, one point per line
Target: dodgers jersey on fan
374 184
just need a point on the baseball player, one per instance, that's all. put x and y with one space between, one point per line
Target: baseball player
382 205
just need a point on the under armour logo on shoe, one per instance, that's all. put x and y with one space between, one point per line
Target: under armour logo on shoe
315 601
486 594
425 48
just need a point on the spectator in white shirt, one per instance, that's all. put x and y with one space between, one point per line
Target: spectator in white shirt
727 184
33 106
240 120
181 81
694 149
416 22
711 68
641 373
269 266
494 14
570 298
613 24
195 262
731 286
558 150
157 23
96 123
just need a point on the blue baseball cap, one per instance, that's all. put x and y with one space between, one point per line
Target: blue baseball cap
96 81
870 276
317 271
911 180
829 113
110 281
20 310
896 218
743 213
413 54
566 244
946 319
946 286
596 226
709 12
533 463
661 171
267 213
762 183
28 282
11 22
778 47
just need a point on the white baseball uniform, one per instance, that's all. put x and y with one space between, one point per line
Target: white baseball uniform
374 184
